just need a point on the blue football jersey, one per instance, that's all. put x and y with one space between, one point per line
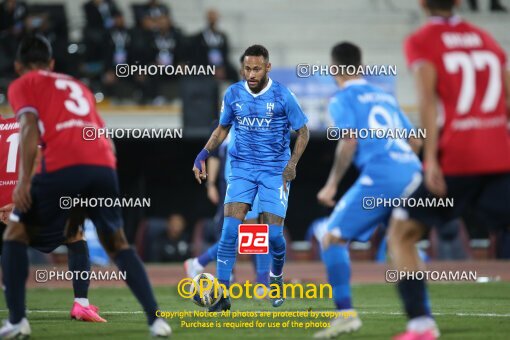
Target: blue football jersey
361 106
262 123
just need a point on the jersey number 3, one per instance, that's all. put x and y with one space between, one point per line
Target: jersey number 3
76 103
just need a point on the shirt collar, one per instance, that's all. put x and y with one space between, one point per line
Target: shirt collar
437 20
351 82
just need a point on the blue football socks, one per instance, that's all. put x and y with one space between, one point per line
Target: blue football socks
277 248
338 266
227 250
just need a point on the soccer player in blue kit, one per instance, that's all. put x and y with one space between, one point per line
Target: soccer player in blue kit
388 169
219 170
262 113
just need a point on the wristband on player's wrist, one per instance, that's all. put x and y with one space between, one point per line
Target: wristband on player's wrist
202 156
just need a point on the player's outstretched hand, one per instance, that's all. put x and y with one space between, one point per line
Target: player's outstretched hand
289 174
21 196
199 166
434 179
326 195
200 174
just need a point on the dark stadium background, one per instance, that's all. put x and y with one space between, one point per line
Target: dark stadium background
161 170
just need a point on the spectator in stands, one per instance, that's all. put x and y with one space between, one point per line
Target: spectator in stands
153 15
173 245
18 19
168 43
117 51
51 22
12 17
210 47
161 44
38 22
170 50
12 23
495 6
100 19
100 14
207 47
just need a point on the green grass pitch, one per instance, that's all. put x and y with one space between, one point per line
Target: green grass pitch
463 311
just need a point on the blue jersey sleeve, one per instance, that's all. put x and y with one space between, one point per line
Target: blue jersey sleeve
226 112
341 113
297 117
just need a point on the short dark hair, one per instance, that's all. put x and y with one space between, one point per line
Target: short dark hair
346 53
256 51
34 49
440 4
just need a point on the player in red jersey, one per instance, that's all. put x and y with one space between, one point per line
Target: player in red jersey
53 110
78 256
9 129
462 82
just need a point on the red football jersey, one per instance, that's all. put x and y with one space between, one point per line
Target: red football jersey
9 139
470 69
64 107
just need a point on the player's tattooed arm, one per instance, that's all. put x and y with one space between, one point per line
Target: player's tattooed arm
217 137
289 173
303 136
29 138
344 154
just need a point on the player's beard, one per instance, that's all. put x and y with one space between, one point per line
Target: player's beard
260 84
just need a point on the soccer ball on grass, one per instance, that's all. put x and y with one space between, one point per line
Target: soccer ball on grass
206 290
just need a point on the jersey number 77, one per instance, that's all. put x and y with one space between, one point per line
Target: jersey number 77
469 63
